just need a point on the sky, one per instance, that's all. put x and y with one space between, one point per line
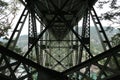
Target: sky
25 30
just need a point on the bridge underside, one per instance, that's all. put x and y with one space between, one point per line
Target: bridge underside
59 49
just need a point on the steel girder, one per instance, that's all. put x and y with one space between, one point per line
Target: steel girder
104 40
105 54
46 73
49 39
111 52
3 77
116 77
32 25
108 53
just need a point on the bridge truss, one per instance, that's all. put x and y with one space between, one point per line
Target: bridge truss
57 48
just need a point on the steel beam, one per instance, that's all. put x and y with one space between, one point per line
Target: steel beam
37 39
103 38
3 77
93 60
4 67
62 59
17 30
47 72
115 77
55 59
76 34
25 76
23 2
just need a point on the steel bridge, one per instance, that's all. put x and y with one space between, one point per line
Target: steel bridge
57 49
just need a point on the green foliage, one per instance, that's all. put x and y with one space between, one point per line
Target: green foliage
16 49
3 4
116 39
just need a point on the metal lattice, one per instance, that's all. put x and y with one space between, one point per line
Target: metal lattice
59 52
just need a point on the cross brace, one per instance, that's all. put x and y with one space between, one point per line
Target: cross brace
93 60
49 73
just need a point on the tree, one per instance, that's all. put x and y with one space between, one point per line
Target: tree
116 38
113 13
7 14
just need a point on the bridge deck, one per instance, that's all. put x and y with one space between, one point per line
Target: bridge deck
71 10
